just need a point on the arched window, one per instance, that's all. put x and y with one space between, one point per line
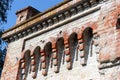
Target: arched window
87 41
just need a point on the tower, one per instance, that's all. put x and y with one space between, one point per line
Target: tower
75 40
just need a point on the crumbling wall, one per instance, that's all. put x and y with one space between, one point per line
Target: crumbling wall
86 48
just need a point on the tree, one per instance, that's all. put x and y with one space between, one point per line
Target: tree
3 50
4 6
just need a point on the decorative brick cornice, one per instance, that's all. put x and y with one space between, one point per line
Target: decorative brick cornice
48 19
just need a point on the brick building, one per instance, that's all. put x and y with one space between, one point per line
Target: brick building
75 40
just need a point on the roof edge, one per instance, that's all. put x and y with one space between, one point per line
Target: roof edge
40 14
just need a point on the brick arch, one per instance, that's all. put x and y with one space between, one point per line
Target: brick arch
87 29
77 31
58 55
23 53
92 25
66 35
35 61
24 65
87 42
59 39
73 34
48 43
46 57
53 41
73 43
34 49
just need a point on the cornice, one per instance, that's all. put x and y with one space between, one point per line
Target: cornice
49 18
36 16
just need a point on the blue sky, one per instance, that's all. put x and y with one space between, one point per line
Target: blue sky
41 5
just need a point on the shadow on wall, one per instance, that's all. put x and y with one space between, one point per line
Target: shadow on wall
73 48
48 53
60 51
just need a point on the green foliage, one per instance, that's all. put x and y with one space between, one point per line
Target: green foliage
3 50
4 6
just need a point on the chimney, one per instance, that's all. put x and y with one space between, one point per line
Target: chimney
26 13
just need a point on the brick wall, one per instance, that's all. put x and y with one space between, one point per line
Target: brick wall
85 48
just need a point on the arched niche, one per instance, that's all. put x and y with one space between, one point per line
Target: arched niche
87 42
48 55
24 66
60 52
73 42
35 61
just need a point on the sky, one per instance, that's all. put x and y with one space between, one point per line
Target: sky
41 5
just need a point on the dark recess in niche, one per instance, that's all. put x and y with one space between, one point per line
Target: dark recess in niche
118 23
87 40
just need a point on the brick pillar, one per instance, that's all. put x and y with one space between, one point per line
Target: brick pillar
43 62
68 55
22 67
55 60
82 53
33 66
